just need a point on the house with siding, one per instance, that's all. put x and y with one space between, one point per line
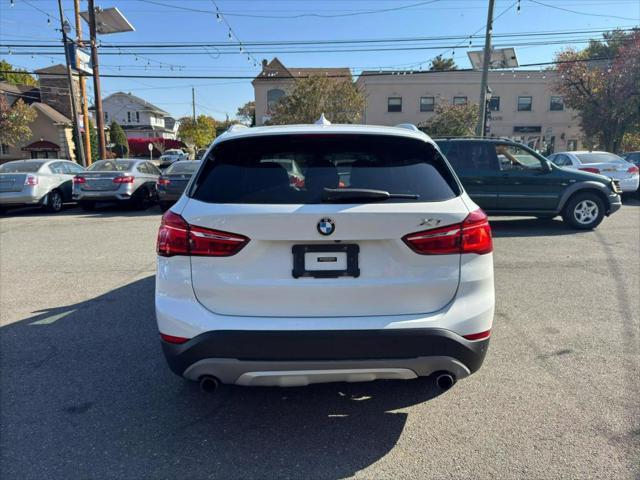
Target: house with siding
138 118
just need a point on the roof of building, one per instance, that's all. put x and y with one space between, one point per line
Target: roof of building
51 113
276 69
59 68
150 106
28 93
41 145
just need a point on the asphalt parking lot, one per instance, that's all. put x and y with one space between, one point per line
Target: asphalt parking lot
85 392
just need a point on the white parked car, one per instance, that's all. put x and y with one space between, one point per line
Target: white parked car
170 156
604 163
383 270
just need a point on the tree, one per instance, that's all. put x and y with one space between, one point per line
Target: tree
338 99
602 82
199 133
441 64
452 120
15 120
15 76
119 140
247 113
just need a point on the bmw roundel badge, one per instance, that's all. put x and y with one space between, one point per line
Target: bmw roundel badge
326 226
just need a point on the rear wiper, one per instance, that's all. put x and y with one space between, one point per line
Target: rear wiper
345 194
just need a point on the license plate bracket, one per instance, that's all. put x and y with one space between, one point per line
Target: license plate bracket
300 252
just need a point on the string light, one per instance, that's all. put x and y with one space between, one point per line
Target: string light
230 36
518 8
48 21
12 3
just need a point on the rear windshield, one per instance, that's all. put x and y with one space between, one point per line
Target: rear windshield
183 167
111 166
598 158
296 169
21 167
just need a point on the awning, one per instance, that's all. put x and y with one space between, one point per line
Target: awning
41 146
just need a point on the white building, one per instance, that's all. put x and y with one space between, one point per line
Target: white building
138 118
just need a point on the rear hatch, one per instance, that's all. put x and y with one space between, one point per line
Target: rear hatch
12 182
330 222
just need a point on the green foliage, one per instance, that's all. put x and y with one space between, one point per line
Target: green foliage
441 64
15 120
247 113
199 133
338 99
15 75
603 91
223 126
452 120
119 140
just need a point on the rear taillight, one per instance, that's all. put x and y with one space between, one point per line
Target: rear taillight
164 181
590 169
78 179
473 235
124 179
633 169
478 336
177 237
31 180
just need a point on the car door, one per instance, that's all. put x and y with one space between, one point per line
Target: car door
528 183
69 170
476 165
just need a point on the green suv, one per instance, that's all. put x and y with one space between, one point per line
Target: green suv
507 178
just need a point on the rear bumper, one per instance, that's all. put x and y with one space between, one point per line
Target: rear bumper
98 196
288 358
19 198
629 184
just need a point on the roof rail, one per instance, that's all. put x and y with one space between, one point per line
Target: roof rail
236 126
473 137
408 126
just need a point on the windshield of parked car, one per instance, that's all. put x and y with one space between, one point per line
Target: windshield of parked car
21 167
297 169
111 166
173 152
189 166
603 157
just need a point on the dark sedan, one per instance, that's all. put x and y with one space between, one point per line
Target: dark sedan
174 180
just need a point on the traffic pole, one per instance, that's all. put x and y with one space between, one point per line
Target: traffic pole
83 87
102 147
486 60
72 90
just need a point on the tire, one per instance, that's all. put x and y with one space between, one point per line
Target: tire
583 211
141 199
54 201
87 206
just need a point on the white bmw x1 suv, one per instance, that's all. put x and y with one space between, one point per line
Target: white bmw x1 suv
321 253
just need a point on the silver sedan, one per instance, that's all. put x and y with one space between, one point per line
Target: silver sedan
118 180
37 182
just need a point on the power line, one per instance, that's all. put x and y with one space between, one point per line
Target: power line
581 13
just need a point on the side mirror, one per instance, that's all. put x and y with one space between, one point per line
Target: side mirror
546 166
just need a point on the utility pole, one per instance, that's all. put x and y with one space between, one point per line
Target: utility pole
193 103
486 60
72 91
83 87
102 147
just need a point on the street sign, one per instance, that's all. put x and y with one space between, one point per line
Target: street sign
80 59
150 146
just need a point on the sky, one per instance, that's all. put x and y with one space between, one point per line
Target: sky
295 20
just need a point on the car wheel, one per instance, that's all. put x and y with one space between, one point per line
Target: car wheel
87 206
142 199
584 211
54 201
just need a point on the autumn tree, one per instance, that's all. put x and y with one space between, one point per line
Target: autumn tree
119 140
452 120
15 76
338 99
247 113
602 82
441 64
14 121
199 133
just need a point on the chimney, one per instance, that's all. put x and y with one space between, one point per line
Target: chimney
54 89
264 63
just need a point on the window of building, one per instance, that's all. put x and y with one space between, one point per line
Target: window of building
494 104
459 100
106 116
4 149
524 104
394 104
427 104
137 117
129 117
273 97
556 104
